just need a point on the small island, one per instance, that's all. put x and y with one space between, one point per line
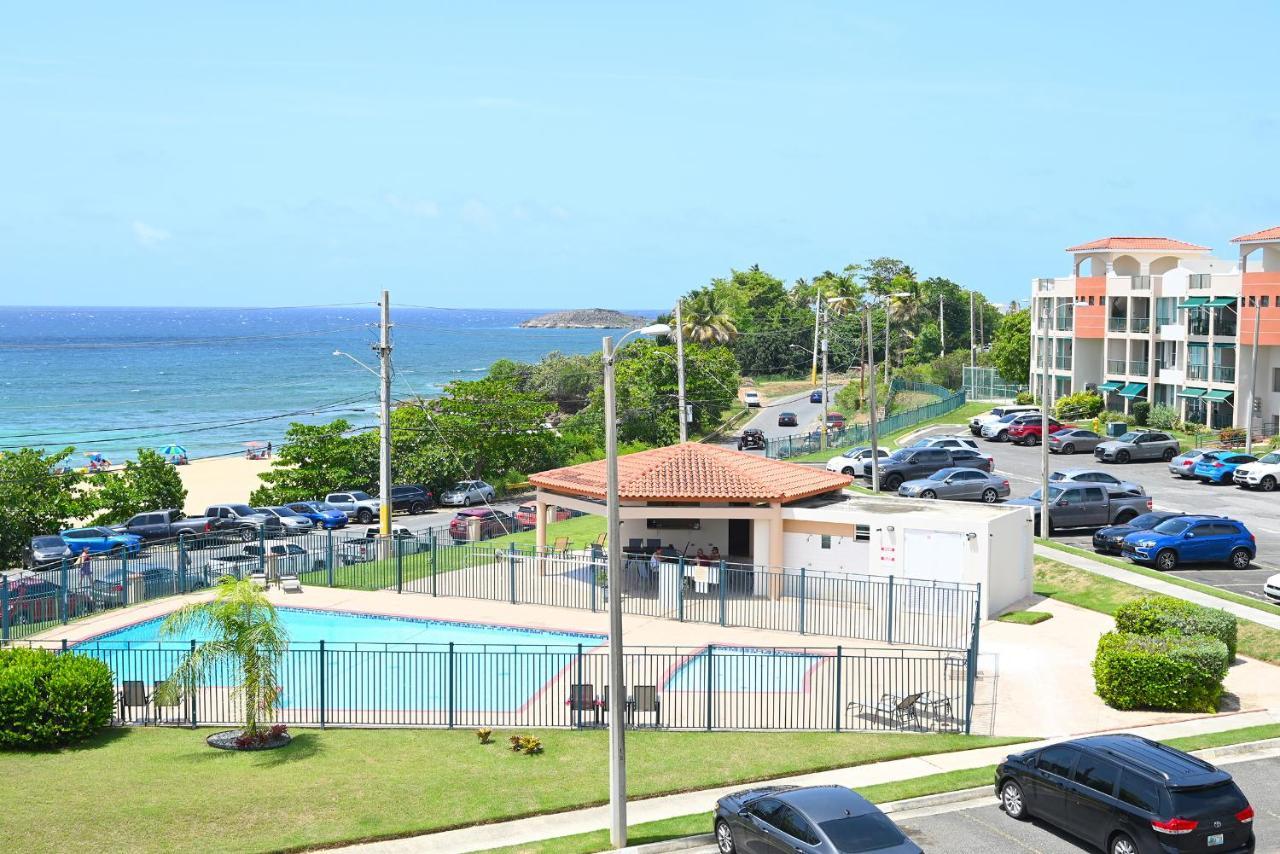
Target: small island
585 318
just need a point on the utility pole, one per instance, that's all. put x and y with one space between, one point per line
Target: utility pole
817 321
887 340
1044 422
942 328
383 349
826 331
684 415
871 409
973 350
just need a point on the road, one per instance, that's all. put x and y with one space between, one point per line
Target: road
809 415
1258 510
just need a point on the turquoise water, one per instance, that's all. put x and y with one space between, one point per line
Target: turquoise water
745 669
380 662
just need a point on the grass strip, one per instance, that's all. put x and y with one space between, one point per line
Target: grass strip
1025 618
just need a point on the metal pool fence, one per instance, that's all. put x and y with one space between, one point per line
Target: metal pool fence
455 685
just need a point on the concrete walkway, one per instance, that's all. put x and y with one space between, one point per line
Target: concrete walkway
538 828
1156 585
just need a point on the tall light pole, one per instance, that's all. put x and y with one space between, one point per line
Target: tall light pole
684 415
817 321
1044 422
617 672
942 328
822 435
871 406
973 347
383 349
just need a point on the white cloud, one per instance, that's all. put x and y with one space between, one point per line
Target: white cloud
558 212
413 207
148 236
477 213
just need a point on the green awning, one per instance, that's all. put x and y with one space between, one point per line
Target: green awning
1193 302
1220 302
1228 345
1133 390
1218 394
1192 393
1110 385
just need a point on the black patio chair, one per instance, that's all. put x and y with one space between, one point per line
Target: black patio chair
899 711
133 694
646 701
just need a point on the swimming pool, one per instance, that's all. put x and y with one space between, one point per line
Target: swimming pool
342 660
746 670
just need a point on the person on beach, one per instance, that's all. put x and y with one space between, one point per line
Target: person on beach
268 449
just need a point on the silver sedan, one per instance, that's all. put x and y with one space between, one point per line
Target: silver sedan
1073 440
292 521
958 484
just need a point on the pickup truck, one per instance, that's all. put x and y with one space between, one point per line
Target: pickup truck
360 506
241 520
1085 505
289 559
373 547
169 524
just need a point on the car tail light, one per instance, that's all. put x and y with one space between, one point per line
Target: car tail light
1174 826
1217 465
1245 816
1186 464
1148 503
208 526
1006 484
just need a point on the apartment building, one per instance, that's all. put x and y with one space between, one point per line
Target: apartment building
1159 320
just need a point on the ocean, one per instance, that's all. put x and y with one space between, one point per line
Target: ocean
111 380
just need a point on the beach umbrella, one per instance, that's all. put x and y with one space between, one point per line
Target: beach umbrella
173 451
255 444
95 456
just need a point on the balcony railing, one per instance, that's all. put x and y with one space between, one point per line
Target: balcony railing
1197 372
1116 366
1140 324
1139 368
1224 373
1062 363
1140 283
1117 324
1064 324
1198 326
1225 328
1165 320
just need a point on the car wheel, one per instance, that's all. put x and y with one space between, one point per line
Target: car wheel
892 482
1166 559
1122 844
1002 436
1268 484
1123 518
1240 558
417 508
1068 449
1033 439
847 471
1122 457
247 535
1168 454
724 838
928 493
1013 801
990 496
364 516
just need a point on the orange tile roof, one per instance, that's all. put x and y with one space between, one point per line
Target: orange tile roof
1136 243
1265 234
694 472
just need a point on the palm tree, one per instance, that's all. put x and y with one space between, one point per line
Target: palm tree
245 631
706 320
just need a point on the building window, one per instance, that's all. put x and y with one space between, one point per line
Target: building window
1275 379
1264 299
861 533
826 541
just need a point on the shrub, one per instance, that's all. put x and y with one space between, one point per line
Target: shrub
485 735
1163 418
526 744
49 700
1194 427
1158 615
1082 404
1231 437
1024 398
1106 417
1141 412
1165 672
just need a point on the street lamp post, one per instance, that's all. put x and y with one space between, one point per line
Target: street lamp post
383 349
617 690
871 369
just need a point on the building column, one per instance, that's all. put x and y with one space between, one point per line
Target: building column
540 508
776 539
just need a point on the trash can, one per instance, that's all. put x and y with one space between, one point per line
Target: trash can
1116 429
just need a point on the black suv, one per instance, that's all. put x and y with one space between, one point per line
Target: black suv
1126 794
411 499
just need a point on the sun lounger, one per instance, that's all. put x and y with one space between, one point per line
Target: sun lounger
290 583
899 711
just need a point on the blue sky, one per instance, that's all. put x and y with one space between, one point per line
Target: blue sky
566 154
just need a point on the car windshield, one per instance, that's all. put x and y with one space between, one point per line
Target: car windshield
857 833
903 454
1054 494
265 511
940 474
1172 526
102 532
1272 457
284 511
48 543
241 509
1057 475
1147 521
360 496
1129 437
854 452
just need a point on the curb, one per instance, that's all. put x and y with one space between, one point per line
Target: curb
681 844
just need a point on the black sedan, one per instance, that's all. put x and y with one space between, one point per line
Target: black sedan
819 819
1107 540
788 419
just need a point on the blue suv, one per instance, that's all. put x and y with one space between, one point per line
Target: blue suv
1192 539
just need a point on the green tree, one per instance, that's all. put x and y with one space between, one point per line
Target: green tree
706 319
147 483
244 632
38 495
566 380
1011 349
316 459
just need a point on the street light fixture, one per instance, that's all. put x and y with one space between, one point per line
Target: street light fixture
617 693
384 441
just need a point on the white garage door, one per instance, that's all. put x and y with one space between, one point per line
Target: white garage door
933 555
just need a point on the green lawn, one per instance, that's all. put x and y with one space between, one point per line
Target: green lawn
1025 618
956 416
161 789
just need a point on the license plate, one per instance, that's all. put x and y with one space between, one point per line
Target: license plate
1214 839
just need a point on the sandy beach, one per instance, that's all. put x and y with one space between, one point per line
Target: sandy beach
220 480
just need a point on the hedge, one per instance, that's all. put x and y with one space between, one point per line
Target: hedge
1163 672
49 700
1156 615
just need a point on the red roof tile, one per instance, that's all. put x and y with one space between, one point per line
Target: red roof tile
1265 234
695 472
1137 243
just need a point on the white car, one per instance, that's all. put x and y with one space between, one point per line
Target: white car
751 398
976 422
464 493
1263 474
948 442
1272 588
850 462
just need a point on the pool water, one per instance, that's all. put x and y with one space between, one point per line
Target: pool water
745 669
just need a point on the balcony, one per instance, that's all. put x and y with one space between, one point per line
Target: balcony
1225 326
1140 324
1064 324
1197 372
1117 366
1198 326
1062 363
1224 373
1140 283
1139 368
1118 324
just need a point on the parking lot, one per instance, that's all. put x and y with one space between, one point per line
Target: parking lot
1258 510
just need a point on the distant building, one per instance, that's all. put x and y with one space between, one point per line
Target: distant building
1159 320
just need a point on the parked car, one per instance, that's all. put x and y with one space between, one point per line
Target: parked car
493 523
37 600
908 464
1085 505
788 419
1108 540
1107 479
289 558
168 524
100 540
44 550
751 398
1027 429
526 516
976 423
1220 466
1002 430
850 462
323 517
752 439
467 492
1271 589
373 546
1072 440
818 819
1126 794
835 421
291 521
146 581
414 500
948 442
815 396
960 484
1262 474
1184 464
360 506
243 521
998 429
1192 539
1138 445
971 459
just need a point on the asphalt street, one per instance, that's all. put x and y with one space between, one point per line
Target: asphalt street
809 415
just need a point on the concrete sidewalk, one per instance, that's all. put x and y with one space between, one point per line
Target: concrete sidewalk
538 828
1156 585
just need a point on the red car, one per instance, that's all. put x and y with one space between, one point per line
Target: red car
527 515
493 523
835 421
1028 432
34 600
